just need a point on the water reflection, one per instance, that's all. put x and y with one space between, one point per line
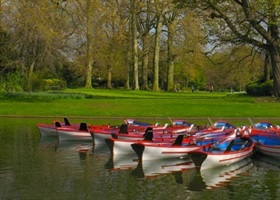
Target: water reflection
73 146
121 162
100 149
34 167
219 177
153 168
60 146
262 161
47 142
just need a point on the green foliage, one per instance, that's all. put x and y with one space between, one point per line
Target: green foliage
6 51
53 84
233 68
260 88
40 96
11 82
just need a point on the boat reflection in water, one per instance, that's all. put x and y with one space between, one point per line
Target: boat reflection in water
181 169
84 148
46 142
266 162
220 176
116 162
73 145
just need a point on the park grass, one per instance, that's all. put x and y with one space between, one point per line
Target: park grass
129 103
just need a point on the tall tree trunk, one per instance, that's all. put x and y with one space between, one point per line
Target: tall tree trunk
275 47
0 13
156 52
128 64
30 75
170 75
266 75
109 78
275 63
89 58
145 62
134 46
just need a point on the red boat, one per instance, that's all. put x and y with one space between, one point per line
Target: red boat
49 130
223 153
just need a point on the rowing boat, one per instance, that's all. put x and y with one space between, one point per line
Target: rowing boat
222 153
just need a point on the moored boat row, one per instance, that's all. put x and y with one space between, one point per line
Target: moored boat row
220 145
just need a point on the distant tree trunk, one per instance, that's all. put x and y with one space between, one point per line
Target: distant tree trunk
30 74
274 49
128 65
89 71
1 14
89 58
134 47
266 67
275 63
145 62
109 78
156 52
127 85
170 75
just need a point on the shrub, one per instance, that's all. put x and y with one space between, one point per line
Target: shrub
260 88
53 84
11 82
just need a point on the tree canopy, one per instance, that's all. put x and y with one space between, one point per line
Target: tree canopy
147 44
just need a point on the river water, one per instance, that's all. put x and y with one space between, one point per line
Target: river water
32 167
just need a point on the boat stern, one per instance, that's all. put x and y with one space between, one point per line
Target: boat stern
110 143
197 157
139 149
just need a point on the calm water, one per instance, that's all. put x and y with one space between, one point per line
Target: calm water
42 168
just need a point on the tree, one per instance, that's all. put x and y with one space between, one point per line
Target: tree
189 46
35 28
159 8
251 22
89 30
133 23
233 68
145 25
171 17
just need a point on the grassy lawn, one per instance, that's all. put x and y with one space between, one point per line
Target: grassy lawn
129 103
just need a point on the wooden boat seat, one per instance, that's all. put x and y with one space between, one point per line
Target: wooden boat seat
149 129
123 128
57 124
149 136
83 127
178 141
66 122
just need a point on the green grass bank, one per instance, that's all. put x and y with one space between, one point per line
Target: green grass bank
104 103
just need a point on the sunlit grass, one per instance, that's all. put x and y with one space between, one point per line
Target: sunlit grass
118 103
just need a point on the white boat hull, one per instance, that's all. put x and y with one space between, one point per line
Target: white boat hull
99 138
122 147
47 131
162 151
153 152
64 134
213 160
272 151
